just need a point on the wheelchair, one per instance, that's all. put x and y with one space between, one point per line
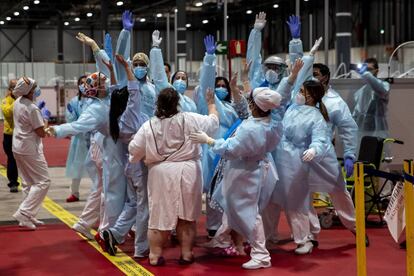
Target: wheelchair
378 185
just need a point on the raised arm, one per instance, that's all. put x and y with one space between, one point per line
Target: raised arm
254 46
123 46
207 74
158 74
295 45
239 101
380 87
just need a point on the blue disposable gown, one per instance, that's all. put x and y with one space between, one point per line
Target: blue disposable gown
160 80
303 127
78 144
227 114
371 107
326 175
249 173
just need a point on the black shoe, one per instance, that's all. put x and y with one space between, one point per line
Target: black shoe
403 245
181 261
110 242
14 189
315 243
366 238
211 233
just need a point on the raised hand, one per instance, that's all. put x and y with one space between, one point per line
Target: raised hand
297 66
210 96
156 39
85 39
315 46
210 44
260 22
127 20
245 71
108 46
121 60
294 26
108 65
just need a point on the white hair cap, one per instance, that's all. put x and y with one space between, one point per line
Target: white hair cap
23 86
266 98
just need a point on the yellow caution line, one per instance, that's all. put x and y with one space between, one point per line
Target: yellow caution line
122 261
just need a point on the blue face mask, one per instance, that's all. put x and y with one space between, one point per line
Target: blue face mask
140 72
180 86
37 92
221 93
82 89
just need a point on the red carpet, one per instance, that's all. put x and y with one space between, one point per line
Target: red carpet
57 250
53 249
55 150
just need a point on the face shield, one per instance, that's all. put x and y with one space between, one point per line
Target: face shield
274 69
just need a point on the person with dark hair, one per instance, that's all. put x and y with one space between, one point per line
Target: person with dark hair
174 171
305 140
78 148
326 176
179 80
227 117
167 68
371 103
7 108
125 118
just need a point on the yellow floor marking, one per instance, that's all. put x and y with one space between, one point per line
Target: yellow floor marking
122 261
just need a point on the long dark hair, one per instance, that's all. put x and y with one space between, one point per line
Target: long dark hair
167 103
316 91
119 99
226 82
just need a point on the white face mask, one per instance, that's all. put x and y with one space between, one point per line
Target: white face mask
300 99
271 76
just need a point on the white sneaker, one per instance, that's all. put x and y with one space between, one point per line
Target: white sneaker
36 221
24 221
83 231
254 264
305 248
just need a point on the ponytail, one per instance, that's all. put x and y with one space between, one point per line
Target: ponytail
119 100
324 111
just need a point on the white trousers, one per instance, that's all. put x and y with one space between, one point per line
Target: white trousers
34 172
270 217
299 222
74 187
342 202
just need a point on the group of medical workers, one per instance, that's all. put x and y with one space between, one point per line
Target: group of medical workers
152 151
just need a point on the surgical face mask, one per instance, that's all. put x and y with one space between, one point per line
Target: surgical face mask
221 92
140 72
271 76
37 92
180 86
300 99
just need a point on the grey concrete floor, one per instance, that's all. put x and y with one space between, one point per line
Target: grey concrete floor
58 192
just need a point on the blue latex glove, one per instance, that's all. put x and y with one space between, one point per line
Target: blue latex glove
210 44
349 166
294 26
41 104
69 108
363 68
108 46
127 21
45 113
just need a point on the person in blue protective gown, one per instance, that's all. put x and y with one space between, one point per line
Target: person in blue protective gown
305 140
174 172
371 104
179 80
227 117
326 176
126 118
140 65
78 150
249 173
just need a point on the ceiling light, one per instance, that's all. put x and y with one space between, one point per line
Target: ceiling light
276 6
306 0
66 23
8 18
16 13
36 2
159 15
198 4
77 19
205 21
89 14
119 3
249 12
142 20
2 22
175 10
25 8
188 25
382 31
227 17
